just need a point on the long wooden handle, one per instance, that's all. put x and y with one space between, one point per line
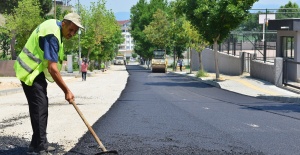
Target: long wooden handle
89 127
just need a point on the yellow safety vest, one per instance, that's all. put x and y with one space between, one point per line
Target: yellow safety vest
30 62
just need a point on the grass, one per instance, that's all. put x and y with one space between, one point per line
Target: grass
202 73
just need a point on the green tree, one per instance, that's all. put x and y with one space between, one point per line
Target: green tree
178 37
215 19
157 32
20 24
251 23
102 34
195 41
142 16
4 45
134 55
8 6
46 6
289 10
112 37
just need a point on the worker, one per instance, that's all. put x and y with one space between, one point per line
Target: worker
41 59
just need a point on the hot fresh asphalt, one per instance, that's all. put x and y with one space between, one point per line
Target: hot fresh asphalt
168 114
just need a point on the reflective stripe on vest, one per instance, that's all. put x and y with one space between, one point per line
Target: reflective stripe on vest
31 56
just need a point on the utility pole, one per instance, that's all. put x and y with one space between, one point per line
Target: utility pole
265 41
79 48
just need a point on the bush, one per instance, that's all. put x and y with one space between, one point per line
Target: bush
75 67
91 66
202 73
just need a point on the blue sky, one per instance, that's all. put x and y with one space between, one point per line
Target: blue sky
121 8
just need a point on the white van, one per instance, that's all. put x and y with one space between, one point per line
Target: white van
119 60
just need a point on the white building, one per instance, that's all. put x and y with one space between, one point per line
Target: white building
127 46
63 4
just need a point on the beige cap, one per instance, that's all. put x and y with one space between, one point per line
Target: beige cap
75 18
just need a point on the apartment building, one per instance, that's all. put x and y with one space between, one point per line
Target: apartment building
127 46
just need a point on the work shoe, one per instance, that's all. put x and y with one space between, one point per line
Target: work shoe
33 151
50 148
44 153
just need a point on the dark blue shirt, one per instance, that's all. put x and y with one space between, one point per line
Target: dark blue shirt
50 45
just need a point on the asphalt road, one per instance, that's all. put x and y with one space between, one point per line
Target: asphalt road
168 114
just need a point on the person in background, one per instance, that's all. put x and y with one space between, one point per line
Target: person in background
84 68
180 61
102 66
41 59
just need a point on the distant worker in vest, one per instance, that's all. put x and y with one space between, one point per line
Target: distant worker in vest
41 59
102 66
84 68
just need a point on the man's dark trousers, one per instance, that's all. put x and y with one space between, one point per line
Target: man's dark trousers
38 108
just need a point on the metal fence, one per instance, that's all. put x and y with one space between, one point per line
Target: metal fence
253 35
249 42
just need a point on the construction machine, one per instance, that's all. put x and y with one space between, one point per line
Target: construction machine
159 62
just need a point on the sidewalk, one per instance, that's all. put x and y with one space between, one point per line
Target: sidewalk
246 85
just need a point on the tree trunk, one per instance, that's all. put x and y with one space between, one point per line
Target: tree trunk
174 58
216 59
191 67
200 61
12 46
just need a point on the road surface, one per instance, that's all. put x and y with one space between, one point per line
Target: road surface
168 114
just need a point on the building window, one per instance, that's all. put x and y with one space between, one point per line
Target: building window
288 47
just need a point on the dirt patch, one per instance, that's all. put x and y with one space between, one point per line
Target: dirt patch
9 85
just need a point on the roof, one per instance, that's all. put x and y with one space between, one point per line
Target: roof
292 24
122 22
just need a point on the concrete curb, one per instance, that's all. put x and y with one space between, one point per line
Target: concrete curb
207 81
10 91
285 99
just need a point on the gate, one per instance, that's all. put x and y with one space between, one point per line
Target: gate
247 59
287 63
